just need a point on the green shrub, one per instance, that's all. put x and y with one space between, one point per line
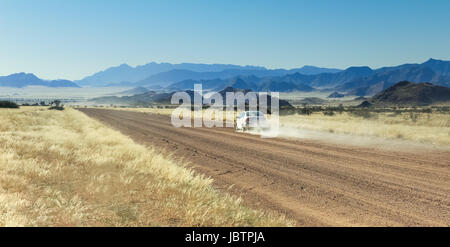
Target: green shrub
364 113
328 113
8 104
59 108
56 105
305 111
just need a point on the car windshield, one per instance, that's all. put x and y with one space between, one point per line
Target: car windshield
254 114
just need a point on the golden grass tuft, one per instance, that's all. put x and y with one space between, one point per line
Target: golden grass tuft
61 168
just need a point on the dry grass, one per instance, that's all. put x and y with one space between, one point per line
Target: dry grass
65 169
431 128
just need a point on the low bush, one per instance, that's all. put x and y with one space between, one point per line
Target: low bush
59 108
8 104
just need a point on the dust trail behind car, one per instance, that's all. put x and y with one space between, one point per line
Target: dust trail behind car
290 132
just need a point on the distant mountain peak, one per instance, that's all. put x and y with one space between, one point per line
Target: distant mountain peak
23 73
124 65
440 66
314 70
23 79
358 68
402 84
433 60
24 76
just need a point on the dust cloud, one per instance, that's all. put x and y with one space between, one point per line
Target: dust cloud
289 132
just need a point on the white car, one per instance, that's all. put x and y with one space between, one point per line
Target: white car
251 120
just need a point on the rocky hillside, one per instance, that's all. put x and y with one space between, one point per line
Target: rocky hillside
412 94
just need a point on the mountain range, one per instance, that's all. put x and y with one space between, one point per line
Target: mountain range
271 84
126 74
163 73
386 77
360 81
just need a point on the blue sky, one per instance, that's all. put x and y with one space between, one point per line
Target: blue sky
72 39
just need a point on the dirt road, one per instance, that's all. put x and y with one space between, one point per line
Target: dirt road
314 183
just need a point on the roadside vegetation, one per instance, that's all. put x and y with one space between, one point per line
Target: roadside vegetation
61 168
56 105
429 124
8 104
424 125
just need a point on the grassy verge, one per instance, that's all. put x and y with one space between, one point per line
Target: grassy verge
433 128
61 168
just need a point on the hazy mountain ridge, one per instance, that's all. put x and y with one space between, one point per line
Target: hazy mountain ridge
384 78
27 79
127 74
173 76
285 83
271 84
359 81
154 73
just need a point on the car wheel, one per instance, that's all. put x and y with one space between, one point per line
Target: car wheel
237 127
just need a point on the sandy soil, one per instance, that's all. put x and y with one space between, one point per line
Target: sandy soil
312 182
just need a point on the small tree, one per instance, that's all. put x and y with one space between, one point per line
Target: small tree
340 108
56 105
55 102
